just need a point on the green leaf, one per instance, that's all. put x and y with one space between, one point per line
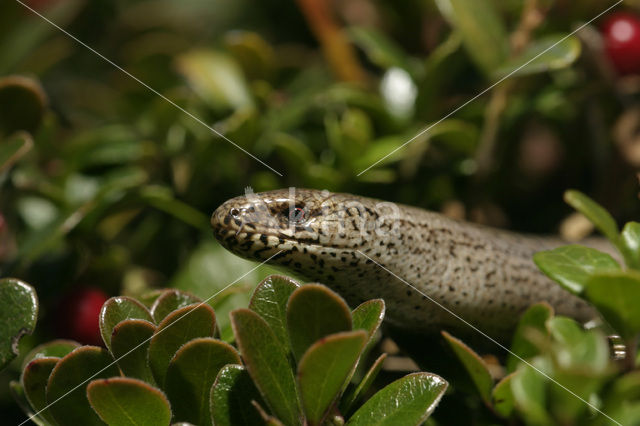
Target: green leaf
314 312
631 239
269 300
175 330
324 370
380 50
502 397
169 301
129 345
216 78
22 104
34 382
528 390
534 318
231 396
407 401
368 316
595 213
191 374
616 295
571 266
561 55
18 316
585 351
348 402
267 363
118 309
14 148
483 33
55 348
124 401
66 388
475 366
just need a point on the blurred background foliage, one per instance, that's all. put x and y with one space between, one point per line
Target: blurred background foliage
106 184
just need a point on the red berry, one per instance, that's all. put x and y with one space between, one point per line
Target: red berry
622 41
79 313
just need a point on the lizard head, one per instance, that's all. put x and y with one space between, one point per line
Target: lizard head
301 225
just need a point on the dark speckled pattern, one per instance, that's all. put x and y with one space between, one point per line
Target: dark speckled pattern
484 275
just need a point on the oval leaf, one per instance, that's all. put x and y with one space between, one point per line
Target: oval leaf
502 397
324 370
534 318
267 364
169 301
118 309
231 396
18 316
594 212
552 52
66 388
129 345
124 401
314 312
350 399
368 316
55 348
34 382
270 299
631 240
407 401
571 266
22 104
475 366
191 374
483 33
616 295
175 330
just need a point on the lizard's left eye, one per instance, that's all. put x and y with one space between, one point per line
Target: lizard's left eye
297 215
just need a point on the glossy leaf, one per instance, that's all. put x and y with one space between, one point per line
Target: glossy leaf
528 389
534 318
616 295
129 345
55 348
380 50
267 363
34 383
270 299
571 266
14 148
502 397
66 388
314 312
368 316
324 370
231 396
594 212
348 401
483 33
407 401
579 349
18 316
118 309
169 301
175 330
191 374
631 239
549 53
475 366
124 401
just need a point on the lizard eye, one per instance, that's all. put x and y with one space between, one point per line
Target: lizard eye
234 212
297 215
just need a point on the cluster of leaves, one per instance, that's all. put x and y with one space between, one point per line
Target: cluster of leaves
557 372
298 350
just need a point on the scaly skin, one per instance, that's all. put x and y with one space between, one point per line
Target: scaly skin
484 275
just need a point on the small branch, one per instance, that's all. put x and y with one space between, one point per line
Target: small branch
335 45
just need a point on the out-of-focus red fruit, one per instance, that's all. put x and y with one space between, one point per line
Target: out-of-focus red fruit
621 32
79 313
